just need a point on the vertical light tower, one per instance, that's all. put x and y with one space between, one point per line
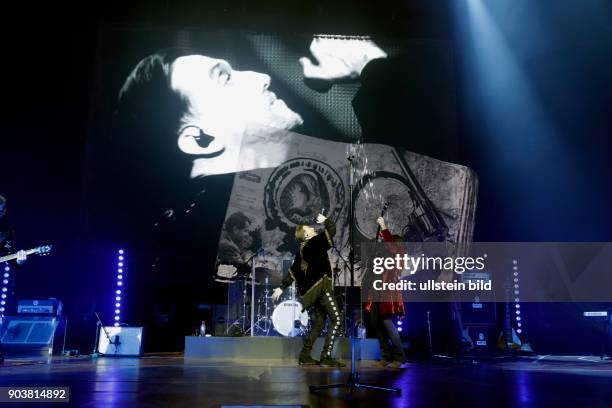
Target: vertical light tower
121 268
517 299
5 288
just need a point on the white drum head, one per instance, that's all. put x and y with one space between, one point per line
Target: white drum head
285 315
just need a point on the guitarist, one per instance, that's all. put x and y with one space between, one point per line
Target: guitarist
381 314
7 235
6 246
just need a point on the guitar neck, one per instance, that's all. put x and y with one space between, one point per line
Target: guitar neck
14 256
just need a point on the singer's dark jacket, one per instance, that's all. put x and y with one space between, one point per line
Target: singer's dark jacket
316 264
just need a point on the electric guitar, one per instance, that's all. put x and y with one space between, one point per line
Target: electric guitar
41 250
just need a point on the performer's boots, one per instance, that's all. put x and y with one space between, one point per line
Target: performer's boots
306 360
330 362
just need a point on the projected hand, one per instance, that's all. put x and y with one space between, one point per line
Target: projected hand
339 58
277 294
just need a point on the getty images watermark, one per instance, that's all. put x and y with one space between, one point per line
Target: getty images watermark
488 271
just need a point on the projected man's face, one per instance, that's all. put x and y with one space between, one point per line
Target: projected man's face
222 103
243 237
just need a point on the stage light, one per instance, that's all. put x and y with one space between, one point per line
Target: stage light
519 324
518 318
517 305
519 331
121 269
5 283
2 302
116 324
399 322
399 329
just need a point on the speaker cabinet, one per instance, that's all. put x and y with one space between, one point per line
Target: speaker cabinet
33 336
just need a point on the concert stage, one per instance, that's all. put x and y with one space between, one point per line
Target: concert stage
177 381
272 347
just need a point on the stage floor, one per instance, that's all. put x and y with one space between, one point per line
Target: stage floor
174 381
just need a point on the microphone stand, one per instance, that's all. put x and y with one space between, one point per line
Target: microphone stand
352 381
116 343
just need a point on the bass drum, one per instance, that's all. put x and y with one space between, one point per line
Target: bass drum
285 315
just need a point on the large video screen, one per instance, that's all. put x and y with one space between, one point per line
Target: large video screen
209 148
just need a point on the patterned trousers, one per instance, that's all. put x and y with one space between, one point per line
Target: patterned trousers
321 298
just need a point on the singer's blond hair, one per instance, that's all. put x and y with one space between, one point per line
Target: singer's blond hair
299 233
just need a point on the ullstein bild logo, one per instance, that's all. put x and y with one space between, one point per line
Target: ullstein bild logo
413 264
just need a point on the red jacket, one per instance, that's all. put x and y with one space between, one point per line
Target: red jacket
395 303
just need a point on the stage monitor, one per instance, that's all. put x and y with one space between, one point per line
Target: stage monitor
124 341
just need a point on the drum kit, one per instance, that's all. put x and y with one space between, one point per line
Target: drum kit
258 314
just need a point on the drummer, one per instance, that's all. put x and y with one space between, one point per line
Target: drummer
312 272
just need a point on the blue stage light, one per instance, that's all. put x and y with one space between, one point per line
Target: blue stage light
121 269
5 283
399 329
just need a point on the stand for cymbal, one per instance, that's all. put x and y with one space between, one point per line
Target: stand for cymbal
242 321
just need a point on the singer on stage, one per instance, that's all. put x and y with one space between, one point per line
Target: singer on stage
312 272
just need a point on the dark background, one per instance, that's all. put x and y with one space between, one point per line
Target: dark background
534 194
